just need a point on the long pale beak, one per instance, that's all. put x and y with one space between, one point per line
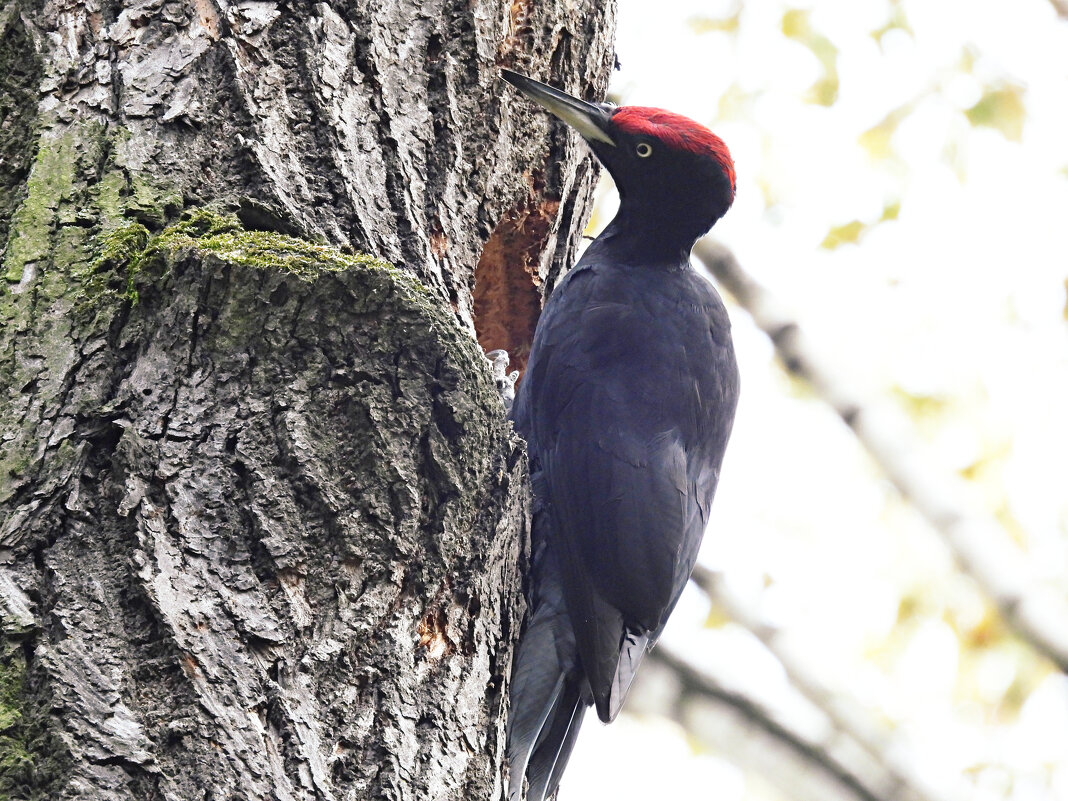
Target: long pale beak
588 119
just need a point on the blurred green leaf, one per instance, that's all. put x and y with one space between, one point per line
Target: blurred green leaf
1031 669
921 406
1002 108
824 91
967 59
897 21
727 24
735 103
877 139
716 617
843 235
796 26
600 216
852 232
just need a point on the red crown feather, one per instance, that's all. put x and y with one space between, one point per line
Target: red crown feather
675 131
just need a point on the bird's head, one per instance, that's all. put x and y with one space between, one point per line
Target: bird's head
673 174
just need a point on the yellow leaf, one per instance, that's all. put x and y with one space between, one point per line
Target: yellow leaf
989 630
922 406
967 59
795 25
896 22
909 607
1001 108
954 154
716 618
877 139
843 234
768 193
824 91
727 24
735 103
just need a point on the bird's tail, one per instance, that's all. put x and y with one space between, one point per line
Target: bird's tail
553 748
549 694
631 650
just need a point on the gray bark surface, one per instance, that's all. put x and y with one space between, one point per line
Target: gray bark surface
261 515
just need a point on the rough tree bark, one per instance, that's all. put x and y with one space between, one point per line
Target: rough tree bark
261 514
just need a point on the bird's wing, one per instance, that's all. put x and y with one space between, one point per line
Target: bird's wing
621 510
628 531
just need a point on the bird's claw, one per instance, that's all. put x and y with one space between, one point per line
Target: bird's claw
504 380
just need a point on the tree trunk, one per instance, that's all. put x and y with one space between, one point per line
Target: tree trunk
261 515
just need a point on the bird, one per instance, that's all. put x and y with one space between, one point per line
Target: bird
626 406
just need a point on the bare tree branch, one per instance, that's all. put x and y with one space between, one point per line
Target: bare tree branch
824 767
847 717
979 544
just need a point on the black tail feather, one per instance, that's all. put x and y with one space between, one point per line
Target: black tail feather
551 754
546 684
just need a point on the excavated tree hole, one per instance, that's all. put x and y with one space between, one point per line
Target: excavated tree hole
507 285
433 631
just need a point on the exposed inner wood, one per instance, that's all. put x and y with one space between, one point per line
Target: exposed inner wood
507 293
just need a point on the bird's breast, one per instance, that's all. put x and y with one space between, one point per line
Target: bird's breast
629 355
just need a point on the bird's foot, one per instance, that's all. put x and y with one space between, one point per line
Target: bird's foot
504 380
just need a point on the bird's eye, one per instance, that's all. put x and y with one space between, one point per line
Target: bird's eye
644 150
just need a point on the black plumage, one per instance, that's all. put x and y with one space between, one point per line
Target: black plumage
626 405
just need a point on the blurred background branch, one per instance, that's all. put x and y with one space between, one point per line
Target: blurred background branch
848 718
824 765
980 545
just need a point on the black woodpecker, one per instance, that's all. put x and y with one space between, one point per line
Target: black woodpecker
626 406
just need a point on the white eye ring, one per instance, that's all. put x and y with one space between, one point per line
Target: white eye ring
644 150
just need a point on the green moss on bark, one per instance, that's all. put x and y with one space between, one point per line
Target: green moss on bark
152 203
50 182
31 760
77 195
113 271
225 238
130 249
20 71
126 251
16 761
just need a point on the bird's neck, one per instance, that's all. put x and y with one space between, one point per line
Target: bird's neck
641 239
